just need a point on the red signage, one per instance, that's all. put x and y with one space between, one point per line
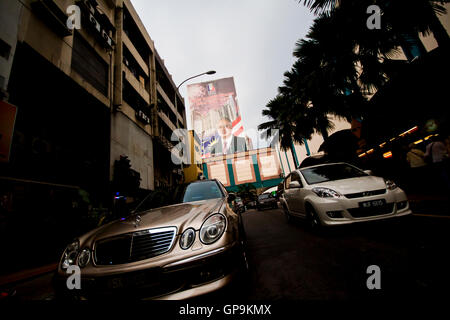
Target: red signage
7 119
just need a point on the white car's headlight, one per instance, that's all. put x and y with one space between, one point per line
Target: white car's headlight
326 193
84 258
187 238
390 184
212 229
70 254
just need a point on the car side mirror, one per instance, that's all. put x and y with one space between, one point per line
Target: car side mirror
294 184
231 197
369 172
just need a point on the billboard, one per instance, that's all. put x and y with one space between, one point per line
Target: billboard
260 167
214 108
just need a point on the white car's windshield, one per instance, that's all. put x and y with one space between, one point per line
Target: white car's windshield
331 172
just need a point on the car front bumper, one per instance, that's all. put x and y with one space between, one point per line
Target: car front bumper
186 278
350 210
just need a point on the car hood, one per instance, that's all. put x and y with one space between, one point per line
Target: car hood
181 216
354 185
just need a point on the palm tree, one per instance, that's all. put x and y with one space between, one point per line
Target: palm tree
324 76
320 83
402 16
286 117
339 63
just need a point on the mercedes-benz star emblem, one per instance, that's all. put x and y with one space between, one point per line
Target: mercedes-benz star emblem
137 221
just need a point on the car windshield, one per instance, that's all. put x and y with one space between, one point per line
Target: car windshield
331 172
189 192
197 191
264 196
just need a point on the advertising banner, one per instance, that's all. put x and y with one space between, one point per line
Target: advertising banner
216 118
260 167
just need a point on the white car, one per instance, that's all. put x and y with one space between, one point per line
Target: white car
340 193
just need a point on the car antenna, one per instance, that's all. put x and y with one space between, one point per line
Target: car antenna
135 209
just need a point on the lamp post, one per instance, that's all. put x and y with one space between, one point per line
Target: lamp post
176 105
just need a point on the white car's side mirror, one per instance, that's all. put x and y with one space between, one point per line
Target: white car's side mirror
369 172
294 184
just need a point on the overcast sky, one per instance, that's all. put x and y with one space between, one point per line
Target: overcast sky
250 40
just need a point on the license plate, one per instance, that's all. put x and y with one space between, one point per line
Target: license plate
135 280
372 203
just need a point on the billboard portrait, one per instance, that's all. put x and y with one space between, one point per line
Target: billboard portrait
216 118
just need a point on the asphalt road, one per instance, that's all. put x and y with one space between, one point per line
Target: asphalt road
288 262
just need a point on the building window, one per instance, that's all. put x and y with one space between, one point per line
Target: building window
88 64
5 49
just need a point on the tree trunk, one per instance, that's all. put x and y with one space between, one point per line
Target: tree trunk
324 133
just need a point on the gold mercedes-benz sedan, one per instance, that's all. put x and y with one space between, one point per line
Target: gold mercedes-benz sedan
192 247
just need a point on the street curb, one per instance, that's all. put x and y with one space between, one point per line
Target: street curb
26 274
431 215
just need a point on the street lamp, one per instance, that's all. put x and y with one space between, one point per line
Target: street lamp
176 106
207 72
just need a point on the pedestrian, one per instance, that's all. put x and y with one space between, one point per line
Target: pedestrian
417 164
438 157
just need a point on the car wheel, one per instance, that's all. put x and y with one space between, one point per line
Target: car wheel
313 219
287 215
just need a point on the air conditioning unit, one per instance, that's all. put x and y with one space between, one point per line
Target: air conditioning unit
107 38
94 22
89 6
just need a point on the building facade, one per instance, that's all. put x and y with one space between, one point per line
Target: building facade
84 96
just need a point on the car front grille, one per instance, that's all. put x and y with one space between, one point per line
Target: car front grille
373 211
365 194
154 282
134 246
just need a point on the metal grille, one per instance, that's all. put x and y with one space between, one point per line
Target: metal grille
365 194
151 243
374 211
134 246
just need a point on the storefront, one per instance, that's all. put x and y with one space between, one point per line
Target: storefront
58 169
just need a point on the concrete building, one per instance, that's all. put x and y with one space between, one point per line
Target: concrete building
84 97
110 62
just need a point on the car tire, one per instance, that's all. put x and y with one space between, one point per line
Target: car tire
313 220
287 215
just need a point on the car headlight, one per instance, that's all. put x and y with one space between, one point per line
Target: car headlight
70 254
187 238
212 229
326 193
84 258
390 184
